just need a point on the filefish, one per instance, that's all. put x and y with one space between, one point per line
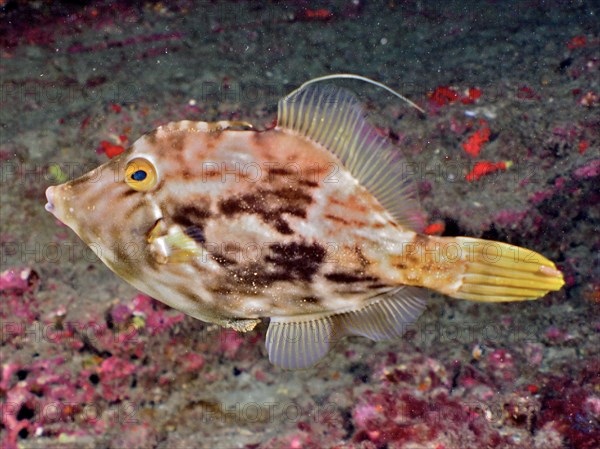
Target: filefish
314 224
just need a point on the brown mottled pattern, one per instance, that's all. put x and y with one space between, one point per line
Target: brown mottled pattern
270 205
293 262
320 245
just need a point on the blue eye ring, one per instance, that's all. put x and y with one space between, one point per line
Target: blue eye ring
139 175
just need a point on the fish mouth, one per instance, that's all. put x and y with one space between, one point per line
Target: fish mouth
50 205
50 198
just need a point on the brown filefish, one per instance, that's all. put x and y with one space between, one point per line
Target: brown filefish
314 224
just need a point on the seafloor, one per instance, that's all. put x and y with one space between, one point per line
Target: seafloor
87 362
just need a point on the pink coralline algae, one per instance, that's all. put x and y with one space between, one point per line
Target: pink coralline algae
192 362
502 364
50 397
389 416
589 170
509 217
39 395
159 322
121 314
397 416
566 408
158 317
19 307
21 279
230 342
115 375
540 196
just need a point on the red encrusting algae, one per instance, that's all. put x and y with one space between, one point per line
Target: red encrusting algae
443 95
110 149
436 228
475 142
483 168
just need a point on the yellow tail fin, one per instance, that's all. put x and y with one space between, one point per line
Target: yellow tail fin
496 272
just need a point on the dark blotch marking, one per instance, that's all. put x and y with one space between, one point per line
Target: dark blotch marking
292 194
378 285
354 223
227 254
311 299
364 262
348 278
282 226
192 219
270 205
191 216
293 262
291 176
306 182
211 173
296 261
280 172
222 260
336 218
128 192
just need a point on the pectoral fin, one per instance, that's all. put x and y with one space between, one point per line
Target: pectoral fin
181 247
173 245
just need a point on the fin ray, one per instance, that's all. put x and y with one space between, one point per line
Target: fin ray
509 273
385 318
334 118
295 344
300 342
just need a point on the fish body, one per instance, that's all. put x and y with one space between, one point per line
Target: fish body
313 224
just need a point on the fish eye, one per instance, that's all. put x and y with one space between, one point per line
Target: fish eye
141 175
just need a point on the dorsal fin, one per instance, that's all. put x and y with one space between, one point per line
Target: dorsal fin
334 118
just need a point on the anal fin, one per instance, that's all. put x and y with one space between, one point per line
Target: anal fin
387 318
295 344
300 342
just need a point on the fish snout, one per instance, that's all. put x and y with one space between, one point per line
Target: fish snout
50 198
